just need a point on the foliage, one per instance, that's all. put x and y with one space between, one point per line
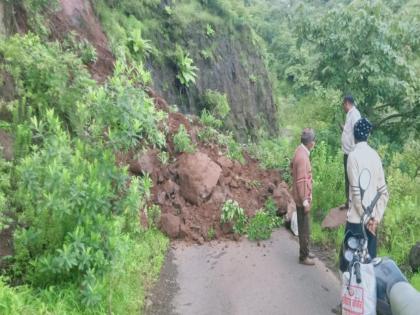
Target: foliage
122 288
187 71
163 157
182 141
234 214
260 226
44 75
234 150
270 207
207 119
119 114
211 233
138 45
153 213
217 104
209 30
328 183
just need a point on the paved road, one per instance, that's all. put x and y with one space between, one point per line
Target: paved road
243 278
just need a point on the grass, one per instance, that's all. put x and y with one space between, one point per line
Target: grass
123 287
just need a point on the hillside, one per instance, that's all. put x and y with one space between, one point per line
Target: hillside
97 158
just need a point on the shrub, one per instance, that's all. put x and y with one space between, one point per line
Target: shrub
207 119
270 207
234 214
260 226
187 72
44 75
182 141
217 103
138 45
211 233
119 114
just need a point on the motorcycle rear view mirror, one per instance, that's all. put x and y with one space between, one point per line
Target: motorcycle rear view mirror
349 255
364 179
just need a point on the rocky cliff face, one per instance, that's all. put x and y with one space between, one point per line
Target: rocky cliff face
235 68
228 61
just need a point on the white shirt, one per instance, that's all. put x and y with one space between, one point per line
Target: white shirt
364 157
347 137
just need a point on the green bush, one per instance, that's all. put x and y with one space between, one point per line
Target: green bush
122 288
45 76
119 114
234 214
217 104
153 215
260 226
187 72
182 141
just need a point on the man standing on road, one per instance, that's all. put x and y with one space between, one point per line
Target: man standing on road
364 157
302 192
347 137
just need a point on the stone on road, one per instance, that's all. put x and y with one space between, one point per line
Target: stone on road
245 278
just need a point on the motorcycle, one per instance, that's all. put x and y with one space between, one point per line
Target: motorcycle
376 285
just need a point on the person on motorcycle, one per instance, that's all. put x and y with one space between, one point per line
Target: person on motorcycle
364 157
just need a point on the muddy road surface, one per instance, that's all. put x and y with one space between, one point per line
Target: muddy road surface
241 278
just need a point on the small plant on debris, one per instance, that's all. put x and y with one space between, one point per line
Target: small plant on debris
164 157
182 141
234 214
153 215
270 207
211 233
260 227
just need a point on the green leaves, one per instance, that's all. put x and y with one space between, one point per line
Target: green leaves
182 141
187 72
260 226
234 214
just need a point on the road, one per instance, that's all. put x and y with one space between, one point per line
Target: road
241 278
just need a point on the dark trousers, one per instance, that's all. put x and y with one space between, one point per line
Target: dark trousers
346 176
304 232
356 229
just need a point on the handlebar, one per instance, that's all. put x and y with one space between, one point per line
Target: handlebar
357 272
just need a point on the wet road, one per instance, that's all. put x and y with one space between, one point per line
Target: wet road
243 278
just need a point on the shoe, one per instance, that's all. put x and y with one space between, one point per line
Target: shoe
336 310
311 255
307 261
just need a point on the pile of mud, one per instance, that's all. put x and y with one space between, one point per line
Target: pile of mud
192 188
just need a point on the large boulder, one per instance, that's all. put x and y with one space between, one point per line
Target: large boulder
283 199
414 258
334 219
198 176
170 224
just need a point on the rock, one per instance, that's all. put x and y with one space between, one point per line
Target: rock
161 198
198 176
234 183
219 196
146 163
224 162
283 200
170 187
414 257
334 219
170 224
